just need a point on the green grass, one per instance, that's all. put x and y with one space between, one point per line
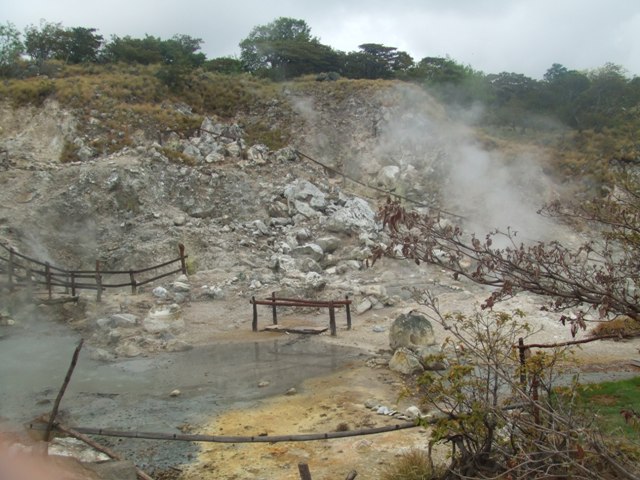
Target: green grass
608 399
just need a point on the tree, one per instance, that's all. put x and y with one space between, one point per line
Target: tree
285 49
145 51
451 81
501 411
376 61
11 48
560 92
44 42
80 45
598 280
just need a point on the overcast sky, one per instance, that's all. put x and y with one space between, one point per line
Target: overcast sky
521 36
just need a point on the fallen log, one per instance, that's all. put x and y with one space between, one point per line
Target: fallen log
304 330
101 448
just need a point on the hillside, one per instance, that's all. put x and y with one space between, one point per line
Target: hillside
271 188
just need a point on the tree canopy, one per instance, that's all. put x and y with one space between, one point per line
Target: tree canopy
285 49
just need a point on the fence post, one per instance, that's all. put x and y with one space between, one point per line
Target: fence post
523 359
348 307
73 283
254 324
183 262
133 283
305 473
98 282
47 275
273 307
535 397
10 272
332 319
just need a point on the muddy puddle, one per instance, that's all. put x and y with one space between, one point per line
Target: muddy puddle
134 394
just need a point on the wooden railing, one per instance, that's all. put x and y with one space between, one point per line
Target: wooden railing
275 302
25 272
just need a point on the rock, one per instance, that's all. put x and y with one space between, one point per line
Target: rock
307 265
301 192
413 412
364 305
371 403
258 154
430 358
329 244
179 220
71 447
379 329
388 176
181 287
382 410
315 281
291 391
214 157
101 355
128 350
303 234
260 228
278 209
309 250
175 393
175 345
158 325
125 320
160 292
286 154
404 361
104 323
356 215
263 384
412 330
193 152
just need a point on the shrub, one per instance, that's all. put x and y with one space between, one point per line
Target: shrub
413 465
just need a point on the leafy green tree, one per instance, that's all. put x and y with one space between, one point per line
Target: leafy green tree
560 91
285 49
80 45
11 48
451 81
376 61
602 104
514 94
144 51
44 42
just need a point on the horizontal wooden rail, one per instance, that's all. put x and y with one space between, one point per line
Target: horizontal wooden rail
323 303
29 271
280 303
275 302
237 439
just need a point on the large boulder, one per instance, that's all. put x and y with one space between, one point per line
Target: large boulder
411 330
356 215
406 362
305 198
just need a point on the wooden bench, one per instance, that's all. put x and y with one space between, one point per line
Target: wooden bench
275 302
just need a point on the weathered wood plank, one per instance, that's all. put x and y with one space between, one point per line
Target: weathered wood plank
301 329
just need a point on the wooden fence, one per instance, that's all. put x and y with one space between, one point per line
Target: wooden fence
25 272
275 302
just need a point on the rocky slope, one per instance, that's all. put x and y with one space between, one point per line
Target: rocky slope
256 221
